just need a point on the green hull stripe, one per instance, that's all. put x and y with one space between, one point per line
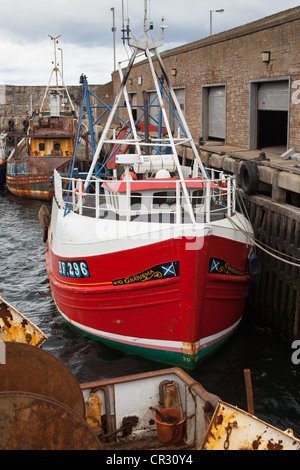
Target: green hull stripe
167 357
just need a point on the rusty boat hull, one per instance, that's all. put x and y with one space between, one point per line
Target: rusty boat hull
234 429
15 327
26 179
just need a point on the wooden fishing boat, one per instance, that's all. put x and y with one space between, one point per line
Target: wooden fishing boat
153 259
16 327
48 143
161 411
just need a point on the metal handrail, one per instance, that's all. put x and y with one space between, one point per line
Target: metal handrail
217 198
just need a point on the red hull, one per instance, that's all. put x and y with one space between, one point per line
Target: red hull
187 307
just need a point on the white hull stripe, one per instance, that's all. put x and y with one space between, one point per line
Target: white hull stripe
174 346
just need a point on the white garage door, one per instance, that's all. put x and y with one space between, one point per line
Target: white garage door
217 112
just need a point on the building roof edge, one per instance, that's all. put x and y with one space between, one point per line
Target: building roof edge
271 21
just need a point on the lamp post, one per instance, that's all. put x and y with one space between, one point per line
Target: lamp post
211 12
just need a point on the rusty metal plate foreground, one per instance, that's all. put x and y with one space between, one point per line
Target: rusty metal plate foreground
32 422
30 369
15 327
235 429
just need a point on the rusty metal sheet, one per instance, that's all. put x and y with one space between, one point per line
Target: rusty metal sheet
33 422
16 327
235 429
31 369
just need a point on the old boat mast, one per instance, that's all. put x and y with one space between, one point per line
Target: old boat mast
57 71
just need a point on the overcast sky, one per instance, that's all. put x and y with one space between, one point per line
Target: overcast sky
86 40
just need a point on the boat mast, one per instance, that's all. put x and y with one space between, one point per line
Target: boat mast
147 45
57 72
145 15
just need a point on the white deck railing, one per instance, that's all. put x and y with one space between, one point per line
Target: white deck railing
209 198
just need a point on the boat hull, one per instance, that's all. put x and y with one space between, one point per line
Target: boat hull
31 187
2 174
174 301
27 180
15 327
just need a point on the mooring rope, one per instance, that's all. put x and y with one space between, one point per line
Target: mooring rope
258 243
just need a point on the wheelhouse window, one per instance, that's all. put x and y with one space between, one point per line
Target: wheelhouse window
197 197
57 148
136 201
166 198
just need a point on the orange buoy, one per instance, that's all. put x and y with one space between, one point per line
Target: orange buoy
131 173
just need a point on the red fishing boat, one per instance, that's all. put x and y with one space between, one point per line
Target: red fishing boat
154 258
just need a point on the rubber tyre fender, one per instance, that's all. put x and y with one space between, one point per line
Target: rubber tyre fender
254 268
249 178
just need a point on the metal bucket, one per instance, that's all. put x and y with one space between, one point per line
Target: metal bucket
170 433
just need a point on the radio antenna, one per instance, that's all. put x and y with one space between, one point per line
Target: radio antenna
145 16
123 25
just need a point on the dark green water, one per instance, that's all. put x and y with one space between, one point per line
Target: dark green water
24 284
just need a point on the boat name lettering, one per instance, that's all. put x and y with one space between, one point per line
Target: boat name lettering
73 268
219 266
160 271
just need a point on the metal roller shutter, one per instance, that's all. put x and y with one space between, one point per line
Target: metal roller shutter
273 96
217 112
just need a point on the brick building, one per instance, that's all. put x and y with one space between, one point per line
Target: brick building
229 91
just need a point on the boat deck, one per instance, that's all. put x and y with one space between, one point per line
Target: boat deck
150 443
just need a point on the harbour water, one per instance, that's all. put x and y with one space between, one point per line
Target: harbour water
24 284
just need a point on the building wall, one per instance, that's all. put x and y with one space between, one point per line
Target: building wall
233 59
